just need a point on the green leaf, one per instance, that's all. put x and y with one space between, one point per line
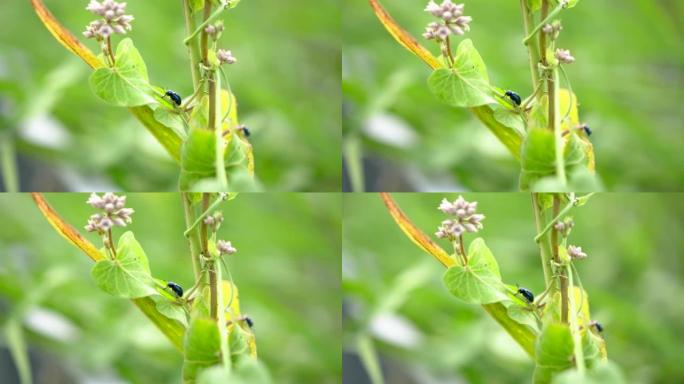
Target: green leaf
126 84
553 352
170 309
467 83
603 373
510 118
509 137
198 157
479 282
128 274
537 157
247 372
202 348
521 315
170 120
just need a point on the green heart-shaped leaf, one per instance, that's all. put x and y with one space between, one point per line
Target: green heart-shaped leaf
127 275
479 282
126 84
467 83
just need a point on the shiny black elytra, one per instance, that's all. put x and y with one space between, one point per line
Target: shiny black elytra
245 130
249 321
177 289
586 129
514 96
174 96
597 325
527 294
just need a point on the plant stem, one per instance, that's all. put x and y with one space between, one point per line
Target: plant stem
10 174
191 235
546 17
353 154
204 37
204 214
542 241
193 49
463 253
562 277
532 49
208 18
560 215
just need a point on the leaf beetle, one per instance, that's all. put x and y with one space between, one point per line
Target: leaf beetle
177 289
527 294
515 97
174 97
245 130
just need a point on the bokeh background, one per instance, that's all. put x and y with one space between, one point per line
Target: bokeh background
287 82
287 270
628 78
393 292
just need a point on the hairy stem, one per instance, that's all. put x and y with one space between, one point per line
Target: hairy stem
193 243
542 241
193 48
562 276
532 49
556 218
546 17
204 37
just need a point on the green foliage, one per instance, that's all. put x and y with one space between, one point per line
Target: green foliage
247 372
460 339
450 146
171 310
603 373
202 348
127 83
538 161
534 5
554 352
198 160
510 118
522 314
478 282
127 275
467 83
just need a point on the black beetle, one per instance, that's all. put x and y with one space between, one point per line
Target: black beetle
249 321
245 130
586 129
177 289
174 96
527 294
597 325
514 96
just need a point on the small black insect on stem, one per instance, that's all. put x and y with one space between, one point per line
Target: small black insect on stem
174 97
177 289
527 294
514 97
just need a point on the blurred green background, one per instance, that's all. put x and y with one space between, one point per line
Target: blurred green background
287 270
629 79
287 83
633 276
